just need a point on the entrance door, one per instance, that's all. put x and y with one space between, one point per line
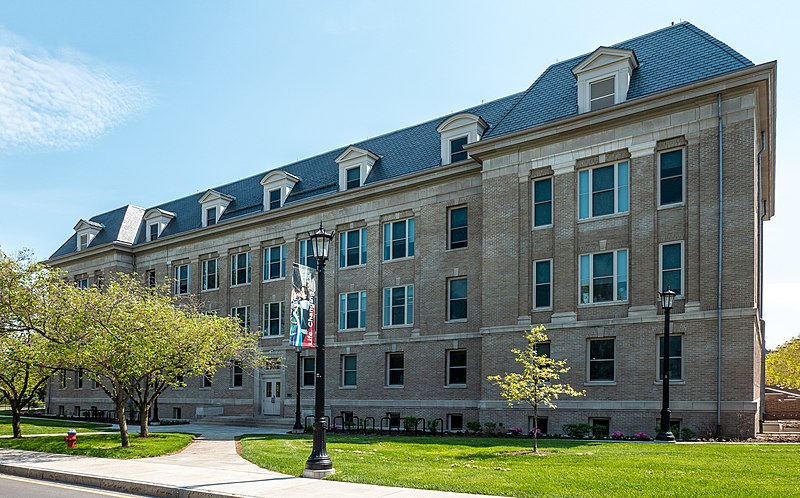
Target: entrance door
271 401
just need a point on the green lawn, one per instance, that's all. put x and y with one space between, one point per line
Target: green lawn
104 445
573 468
48 426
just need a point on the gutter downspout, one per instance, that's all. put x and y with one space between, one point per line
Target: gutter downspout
761 210
719 272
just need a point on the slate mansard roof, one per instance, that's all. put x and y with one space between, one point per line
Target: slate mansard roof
669 58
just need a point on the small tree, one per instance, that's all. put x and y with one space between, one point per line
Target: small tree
783 364
534 385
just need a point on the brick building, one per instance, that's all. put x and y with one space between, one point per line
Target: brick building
570 204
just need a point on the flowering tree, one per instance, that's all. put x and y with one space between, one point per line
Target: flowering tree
783 364
534 385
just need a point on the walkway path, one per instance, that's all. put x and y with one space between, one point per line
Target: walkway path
208 468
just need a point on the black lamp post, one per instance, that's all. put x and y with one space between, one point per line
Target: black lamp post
319 464
665 434
298 426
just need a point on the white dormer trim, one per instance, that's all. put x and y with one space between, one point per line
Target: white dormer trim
355 157
156 217
459 126
604 63
278 180
85 232
216 200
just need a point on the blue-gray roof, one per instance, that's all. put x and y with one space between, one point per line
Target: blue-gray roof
668 58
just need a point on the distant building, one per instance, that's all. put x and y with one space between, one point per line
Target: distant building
570 204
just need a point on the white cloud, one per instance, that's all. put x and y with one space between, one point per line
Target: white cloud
58 102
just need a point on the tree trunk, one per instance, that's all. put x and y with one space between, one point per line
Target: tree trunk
144 422
123 424
535 428
15 420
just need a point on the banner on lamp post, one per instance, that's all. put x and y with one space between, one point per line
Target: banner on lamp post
303 330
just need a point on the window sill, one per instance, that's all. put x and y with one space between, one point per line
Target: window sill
455 386
307 388
352 267
456 249
603 303
348 388
541 310
603 217
406 258
600 383
671 382
210 290
237 388
402 326
273 336
239 285
394 387
544 227
457 320
670 206
359 329
268 280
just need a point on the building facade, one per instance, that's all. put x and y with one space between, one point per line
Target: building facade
617 174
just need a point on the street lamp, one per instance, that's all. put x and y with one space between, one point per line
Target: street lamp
298 427
665 434
319 464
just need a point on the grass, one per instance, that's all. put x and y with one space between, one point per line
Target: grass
571 469
48 426
104 445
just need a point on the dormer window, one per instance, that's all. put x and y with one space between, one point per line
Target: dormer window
458 131
213 205
603 78
85 232
277 187
355 165
84 242
153 231
274 199
156 220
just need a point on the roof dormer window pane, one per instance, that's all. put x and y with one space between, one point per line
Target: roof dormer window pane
153 228
84 241
353 177
275 198
602 94
211 216
457 152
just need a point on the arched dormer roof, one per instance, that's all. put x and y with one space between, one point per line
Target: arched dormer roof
278 184
456 132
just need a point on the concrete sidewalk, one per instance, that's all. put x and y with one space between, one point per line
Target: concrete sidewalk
208 468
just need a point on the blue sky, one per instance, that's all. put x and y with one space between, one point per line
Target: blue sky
105 103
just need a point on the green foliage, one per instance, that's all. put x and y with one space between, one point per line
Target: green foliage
489 427
599 431
433 425
577 430
783 364
474 427
409 423
687 434
104 445
49 426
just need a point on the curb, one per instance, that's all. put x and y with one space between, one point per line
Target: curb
120 485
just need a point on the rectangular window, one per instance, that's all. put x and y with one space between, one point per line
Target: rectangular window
211 216
457 152
182 282
455 422
208 380
601 360
306 253
237 374
309 371
457 231
395 368
543 283
349 370
353 248
275 262
603 191
675 358
353 178
151 278
604 277
672 267
275 198
398 239
84 242
153 231
273 318
457 367
543 202
670 175
398 305
353 310
240 269
82 283
601 94
243 314
457 299
210 274
542 349
79 380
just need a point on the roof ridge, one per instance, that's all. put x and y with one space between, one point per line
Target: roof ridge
722 45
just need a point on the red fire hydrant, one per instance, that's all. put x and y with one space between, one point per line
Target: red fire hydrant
72 438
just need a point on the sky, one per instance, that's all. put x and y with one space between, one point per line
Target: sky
105 103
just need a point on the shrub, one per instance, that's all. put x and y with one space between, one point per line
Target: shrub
433 425
577 430
489 427
538 432
617 435
514 431
641 436
599 431
410 423
474 427
174 421
687 434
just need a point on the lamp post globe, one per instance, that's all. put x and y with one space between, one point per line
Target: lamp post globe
665 431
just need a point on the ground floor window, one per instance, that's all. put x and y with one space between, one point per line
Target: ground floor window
176 412
542 425
600 427
455 422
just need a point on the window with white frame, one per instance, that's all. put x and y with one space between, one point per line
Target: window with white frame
82 283
210 281
671 259
398 305
211 216
457 367
274 199
182 282
398 239
542 349
273 319
675 358
601 360
153 231
306 254
603 190
457 152
208 380
240 268
353 248
349 370
543 283
84 241
243 314
604 277
237 374
352 178
457 227
275 262
395 369
543 202
353 310
455 421
309 365
601 94
670 176
457 298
